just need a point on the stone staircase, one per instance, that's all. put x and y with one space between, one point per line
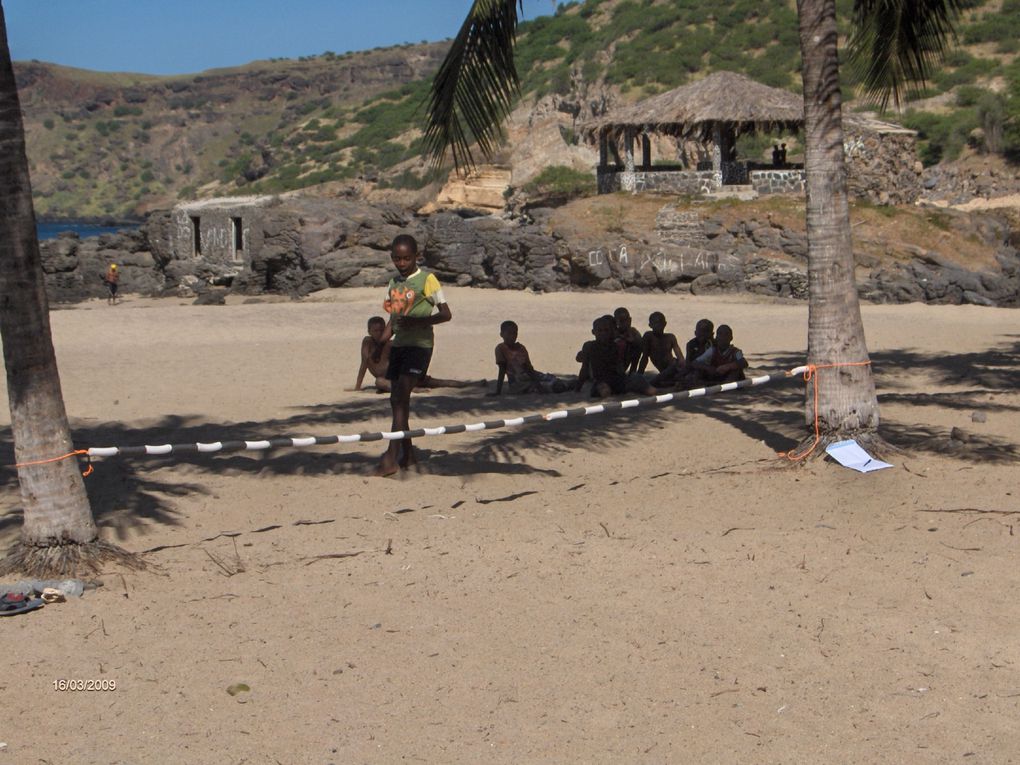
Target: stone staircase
481 190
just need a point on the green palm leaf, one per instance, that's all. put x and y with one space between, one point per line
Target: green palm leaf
896 44
475 87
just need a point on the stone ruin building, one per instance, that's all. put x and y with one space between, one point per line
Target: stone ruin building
219 230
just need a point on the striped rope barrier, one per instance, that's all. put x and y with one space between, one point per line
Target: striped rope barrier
442 430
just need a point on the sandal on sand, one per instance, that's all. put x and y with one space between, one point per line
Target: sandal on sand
12 603
52 595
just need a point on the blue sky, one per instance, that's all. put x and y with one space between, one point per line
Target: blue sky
185 36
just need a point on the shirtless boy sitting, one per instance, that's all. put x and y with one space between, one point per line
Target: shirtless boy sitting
628 338
663 350
375 355
375 358
514 364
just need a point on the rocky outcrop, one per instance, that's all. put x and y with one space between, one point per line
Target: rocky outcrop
483 189
309 244
930 278
976 178
74 268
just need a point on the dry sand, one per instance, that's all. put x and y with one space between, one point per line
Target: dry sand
649 586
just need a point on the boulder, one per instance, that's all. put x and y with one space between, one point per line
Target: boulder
211 297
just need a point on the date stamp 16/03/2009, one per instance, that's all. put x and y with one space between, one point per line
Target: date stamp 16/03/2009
65 684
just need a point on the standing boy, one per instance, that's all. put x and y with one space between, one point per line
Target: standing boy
411 297
111 279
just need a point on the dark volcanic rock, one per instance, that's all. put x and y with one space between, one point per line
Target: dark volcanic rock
212 297
307 244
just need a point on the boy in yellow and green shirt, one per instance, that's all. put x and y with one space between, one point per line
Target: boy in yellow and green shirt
411 297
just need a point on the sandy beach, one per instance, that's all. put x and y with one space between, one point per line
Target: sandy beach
652 585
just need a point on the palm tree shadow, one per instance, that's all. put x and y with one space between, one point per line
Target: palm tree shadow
774 414
985 375
127 494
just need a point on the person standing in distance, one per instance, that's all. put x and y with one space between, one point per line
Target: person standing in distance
411 297
111 279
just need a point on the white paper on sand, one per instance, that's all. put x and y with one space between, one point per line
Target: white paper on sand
850 454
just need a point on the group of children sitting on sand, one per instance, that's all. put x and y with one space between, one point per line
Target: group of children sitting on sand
398 353
614 362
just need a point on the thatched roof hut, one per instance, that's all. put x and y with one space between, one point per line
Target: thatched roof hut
691 111
712 113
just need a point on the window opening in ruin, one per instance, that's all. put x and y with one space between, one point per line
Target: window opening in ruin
196 229
238 228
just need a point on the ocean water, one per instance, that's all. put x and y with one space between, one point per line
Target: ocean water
50 230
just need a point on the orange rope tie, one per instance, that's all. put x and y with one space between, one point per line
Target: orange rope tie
811 375
75 453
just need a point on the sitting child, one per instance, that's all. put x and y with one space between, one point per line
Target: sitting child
701 341
515 365
375 355
375 358
628 338
662 349
602 363
723 362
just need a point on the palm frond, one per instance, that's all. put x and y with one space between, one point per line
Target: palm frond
897 44
475 87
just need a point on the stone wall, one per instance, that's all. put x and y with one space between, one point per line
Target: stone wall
881 162
691 182
777 181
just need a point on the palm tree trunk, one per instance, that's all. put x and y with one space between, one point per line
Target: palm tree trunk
847 404
56 508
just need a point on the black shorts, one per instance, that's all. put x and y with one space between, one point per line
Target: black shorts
617 384
408 360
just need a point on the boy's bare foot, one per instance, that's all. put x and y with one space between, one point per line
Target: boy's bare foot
409 459
387 466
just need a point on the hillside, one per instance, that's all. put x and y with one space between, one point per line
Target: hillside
124 144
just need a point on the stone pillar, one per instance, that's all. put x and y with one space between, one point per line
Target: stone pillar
627 180
717 157
603 150
646 152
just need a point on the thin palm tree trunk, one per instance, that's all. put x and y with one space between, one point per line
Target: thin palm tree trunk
847 404
56 508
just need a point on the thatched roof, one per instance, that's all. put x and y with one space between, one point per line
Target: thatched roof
743 105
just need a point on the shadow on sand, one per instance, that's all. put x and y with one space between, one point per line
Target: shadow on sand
126 492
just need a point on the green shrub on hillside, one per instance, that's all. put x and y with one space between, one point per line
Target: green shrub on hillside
969 95
941 136
407 179
1003 26
964 70
560 180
